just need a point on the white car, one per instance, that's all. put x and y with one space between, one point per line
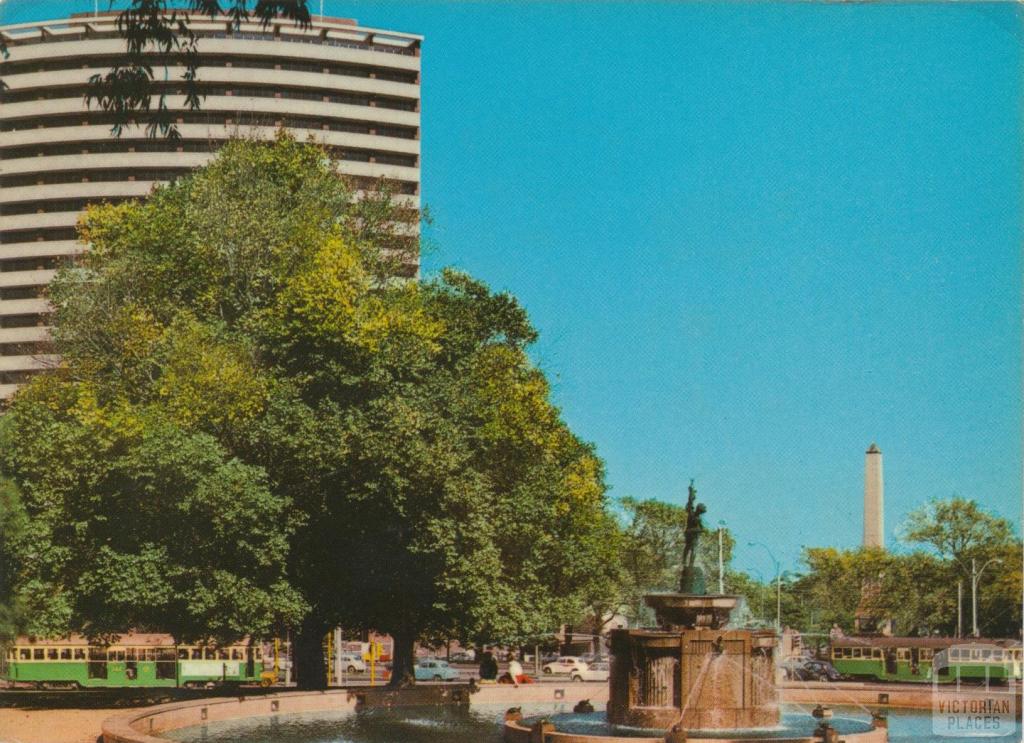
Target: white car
352 663
597 671
564 665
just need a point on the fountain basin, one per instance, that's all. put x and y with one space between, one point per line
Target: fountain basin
593 728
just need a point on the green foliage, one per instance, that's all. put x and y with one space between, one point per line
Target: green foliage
917 589
957 529
13 526
290 432
133 520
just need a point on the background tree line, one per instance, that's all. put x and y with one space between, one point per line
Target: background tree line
917 577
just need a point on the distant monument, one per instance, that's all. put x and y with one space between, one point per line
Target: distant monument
692 672
874 498
869 618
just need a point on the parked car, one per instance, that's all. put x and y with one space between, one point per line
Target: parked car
546 658
820 670
563 665
432 669
352 662
463 656
808 669
597 671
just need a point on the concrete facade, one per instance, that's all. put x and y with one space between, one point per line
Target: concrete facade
354 89
874 499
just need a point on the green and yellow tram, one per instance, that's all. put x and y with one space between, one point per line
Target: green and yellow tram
133 661
927 659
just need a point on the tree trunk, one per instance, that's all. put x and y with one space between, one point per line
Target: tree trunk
402 661
309 655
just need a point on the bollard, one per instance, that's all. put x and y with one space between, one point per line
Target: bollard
540 731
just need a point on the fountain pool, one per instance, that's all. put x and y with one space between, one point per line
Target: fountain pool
482 724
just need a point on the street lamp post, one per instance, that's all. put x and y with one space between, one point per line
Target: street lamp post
721 560
975 577
778 585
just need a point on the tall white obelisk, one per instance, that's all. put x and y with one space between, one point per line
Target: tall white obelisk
874 499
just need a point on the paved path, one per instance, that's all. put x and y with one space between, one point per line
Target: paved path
52 726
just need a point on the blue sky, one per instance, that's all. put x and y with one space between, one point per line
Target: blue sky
755 238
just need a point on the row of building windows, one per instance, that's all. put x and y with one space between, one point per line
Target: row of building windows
19 377
324 95
239 118
409 77
39 263
22 292
61 205
149 174
128 145
405 51
21 321
8 237
22 349
90 176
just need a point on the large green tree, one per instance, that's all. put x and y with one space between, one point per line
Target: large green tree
399 465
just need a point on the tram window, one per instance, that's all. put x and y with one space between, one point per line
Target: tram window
197 653
52 654
182 653
25 654
876 653
927 653
975 654
65 653
856 652
902 654
997 655
129 654
986 654
79 654
222 654
954 653
210 654
37 654
259 653
167 669
117 655
236 654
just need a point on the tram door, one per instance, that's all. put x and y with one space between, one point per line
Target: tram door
915 658
890 660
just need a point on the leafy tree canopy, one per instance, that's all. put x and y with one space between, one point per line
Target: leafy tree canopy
240 366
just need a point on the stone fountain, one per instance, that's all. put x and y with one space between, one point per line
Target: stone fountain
692 672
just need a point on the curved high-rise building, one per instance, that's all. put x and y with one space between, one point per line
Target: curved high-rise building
355 89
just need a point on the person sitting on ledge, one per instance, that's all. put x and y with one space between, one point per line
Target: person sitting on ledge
515 674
